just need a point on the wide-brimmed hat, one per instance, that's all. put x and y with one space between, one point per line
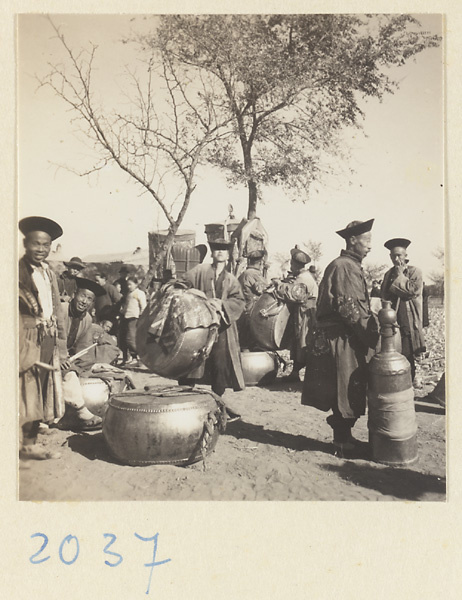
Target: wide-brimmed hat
202 249
397 243
300 256
75 263
221 244
355 228
89 284
29 224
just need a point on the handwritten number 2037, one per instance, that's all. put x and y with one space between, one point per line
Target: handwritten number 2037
69 550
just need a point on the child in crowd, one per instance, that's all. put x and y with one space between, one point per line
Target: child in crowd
133 306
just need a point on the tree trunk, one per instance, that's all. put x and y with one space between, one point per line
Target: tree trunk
251 183
252 209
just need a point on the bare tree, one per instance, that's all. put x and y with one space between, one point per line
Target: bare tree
437 277
159 142
373 271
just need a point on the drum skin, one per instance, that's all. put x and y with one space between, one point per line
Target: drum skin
268 322
188 353
159 427
259 368
96 392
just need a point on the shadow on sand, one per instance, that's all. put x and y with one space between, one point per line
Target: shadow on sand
91 446
257 433
398 482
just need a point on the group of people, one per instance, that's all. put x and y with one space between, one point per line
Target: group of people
333 331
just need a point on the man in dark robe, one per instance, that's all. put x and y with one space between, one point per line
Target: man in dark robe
345 336
253 285
66 281
108 305
403 285
42 334
224 292
80 336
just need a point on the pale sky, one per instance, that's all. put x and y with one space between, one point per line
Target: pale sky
399 165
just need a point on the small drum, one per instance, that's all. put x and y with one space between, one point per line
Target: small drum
96 392
268 322
163 426
259 368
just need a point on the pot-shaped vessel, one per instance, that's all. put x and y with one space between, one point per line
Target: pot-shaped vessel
259 368
163 426
96 392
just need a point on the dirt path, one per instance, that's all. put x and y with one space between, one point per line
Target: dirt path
280 450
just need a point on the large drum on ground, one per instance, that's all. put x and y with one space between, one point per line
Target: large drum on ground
164 426
268 322
259 368
96 392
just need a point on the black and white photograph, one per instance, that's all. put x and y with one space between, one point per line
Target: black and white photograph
231 245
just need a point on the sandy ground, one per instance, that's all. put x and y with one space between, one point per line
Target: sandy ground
279 450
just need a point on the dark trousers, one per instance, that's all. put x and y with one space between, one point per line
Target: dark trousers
127 336
342 427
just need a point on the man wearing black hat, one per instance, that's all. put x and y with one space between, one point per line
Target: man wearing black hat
346 334
66 281
225 296
299 290
78 327
43 329
403 285
253 285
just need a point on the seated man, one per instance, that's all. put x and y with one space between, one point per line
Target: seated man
78 327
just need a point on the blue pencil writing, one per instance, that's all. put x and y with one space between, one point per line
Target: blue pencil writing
67 540
106 551
153 563
32 559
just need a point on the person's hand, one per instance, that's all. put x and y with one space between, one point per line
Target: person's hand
216 304
65 365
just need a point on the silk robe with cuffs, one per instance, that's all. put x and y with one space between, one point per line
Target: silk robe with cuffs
405 292
224 362
40 391
343 340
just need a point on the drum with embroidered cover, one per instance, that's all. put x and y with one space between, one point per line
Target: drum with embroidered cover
268 322
179 354
162 426
259 368
96 392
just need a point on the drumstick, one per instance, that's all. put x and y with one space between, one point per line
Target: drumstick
81 353
44 366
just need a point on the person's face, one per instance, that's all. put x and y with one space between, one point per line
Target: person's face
73 272
37 245
83 300
296 266
219 256
107 326
398 256
100 280
362 244
131 286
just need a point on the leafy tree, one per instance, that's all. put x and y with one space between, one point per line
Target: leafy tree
290 85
